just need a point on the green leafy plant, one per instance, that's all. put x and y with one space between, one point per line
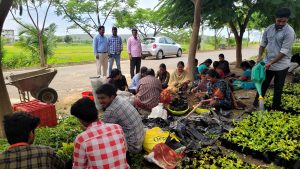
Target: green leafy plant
275 132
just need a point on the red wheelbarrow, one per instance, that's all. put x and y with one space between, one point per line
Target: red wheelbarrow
36 83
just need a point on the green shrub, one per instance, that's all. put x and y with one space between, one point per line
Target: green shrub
296 49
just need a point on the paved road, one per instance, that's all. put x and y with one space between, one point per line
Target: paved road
75 79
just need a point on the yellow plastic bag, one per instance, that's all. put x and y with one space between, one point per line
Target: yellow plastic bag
154 136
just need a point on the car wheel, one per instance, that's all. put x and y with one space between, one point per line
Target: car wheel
160 54
179 53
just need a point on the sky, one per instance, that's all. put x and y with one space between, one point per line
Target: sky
62 24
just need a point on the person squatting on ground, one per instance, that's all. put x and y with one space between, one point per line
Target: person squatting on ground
100 44
20 133
119 111
148 91
118 80
179 79
101 145
137 77
163 75
278 38
115 48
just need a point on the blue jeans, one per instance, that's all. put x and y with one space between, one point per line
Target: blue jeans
111 59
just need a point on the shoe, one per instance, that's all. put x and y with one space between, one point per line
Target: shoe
251 109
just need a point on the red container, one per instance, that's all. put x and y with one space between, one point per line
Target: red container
46 112
88 94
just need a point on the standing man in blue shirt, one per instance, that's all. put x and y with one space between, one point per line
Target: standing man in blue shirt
278 38
114 49
100 43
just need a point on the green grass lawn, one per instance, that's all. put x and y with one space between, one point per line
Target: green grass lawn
63 54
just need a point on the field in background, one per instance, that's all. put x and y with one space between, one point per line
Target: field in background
15 57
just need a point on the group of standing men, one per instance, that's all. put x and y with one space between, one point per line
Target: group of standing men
108 50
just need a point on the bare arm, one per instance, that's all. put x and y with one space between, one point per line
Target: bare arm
260 53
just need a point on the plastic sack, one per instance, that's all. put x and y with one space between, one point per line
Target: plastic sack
96 82
158 111
126 96
154 136
164 156
258 73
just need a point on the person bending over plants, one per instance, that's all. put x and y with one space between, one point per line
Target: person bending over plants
119 111
19 130
101 145
118 80
218 91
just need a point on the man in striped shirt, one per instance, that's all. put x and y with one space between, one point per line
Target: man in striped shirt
114 49
148 91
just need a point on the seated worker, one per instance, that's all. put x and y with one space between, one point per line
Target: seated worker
179 79
224 64
148 91
244 81
219 92
136 78
19 130
118 80
119 111
205 65
163 75
218 68
196 73
99 142
201 88
295 62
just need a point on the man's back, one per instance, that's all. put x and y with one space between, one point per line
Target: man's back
100 146
123 113
30 157
149 89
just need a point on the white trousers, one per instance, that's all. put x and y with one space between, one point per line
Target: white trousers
102 62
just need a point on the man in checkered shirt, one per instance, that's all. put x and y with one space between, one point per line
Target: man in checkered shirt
101 145
19 129
119 111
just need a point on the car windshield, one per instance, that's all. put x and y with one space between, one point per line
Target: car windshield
148 40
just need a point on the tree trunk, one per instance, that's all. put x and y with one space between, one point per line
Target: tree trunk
5 105
228 37
239 43
42 53
194 38
215 39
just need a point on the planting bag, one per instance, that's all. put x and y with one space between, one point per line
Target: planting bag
96 82
154 136
164 156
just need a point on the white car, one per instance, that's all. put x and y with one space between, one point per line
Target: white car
160 47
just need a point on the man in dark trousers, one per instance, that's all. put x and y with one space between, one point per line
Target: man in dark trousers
278 38
134 49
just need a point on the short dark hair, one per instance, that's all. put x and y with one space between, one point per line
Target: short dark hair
180 63
114 73
283 13
114 28
204 72
101 27
209 61
245 64
133 30
85 110
216 64
252 63
107 89
213 73
143 70
150 72
17 126
163 66
221 55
